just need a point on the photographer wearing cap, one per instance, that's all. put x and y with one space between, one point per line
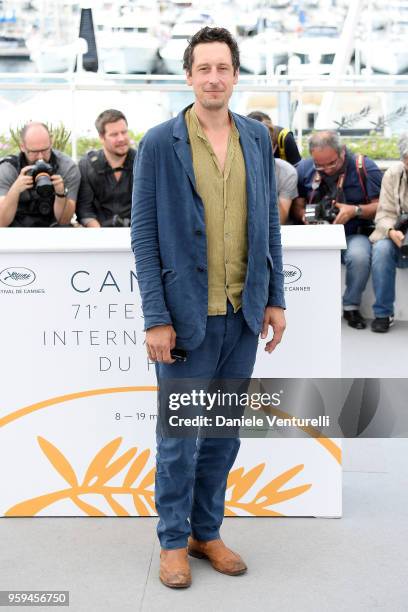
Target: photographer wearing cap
390 238
105 193
336 186
38 187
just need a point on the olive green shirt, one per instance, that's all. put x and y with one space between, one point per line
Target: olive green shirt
225 206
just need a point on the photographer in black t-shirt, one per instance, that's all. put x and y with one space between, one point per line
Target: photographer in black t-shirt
105 193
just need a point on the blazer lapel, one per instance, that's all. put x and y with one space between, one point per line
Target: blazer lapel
183 152
182 147
250 151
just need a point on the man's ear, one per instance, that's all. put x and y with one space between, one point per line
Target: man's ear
188 78
236 75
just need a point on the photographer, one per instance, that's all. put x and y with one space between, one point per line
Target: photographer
283 141
336 186
39 187
105 193
390 249
286 175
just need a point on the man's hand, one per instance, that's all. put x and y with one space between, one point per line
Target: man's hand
23 182
346 212
396 236
159 341
58 183
275 317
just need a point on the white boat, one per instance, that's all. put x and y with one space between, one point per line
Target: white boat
172 52
313 52
279 4
246 22
52 42
260 54
390 58
269 47
127 44
51 57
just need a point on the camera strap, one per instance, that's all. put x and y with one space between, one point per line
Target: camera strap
399 189
362 176
339 189
316 184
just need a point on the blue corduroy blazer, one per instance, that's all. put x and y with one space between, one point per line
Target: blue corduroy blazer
168 232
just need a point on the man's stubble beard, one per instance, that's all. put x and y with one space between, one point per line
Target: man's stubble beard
115 153
213 104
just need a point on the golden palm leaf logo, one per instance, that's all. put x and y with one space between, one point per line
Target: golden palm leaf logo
96 482
240 483
137 482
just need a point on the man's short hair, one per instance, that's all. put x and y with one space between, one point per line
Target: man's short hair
30 124
266 120
259 116
403 145
320 140
209 35
108 116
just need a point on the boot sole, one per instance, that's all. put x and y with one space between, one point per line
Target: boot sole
174 586
199 555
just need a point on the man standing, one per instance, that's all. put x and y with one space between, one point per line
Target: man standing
38 187
107 175
206 239
391 223
347 187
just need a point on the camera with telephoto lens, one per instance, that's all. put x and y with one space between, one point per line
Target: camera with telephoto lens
116 221
41 172
322 212
402 226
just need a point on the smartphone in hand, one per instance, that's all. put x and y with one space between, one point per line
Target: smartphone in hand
178 354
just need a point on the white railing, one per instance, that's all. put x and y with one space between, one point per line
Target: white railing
296 84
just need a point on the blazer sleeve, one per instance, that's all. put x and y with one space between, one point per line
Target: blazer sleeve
145 240
276 291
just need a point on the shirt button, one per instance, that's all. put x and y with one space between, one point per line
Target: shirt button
198 233
200 269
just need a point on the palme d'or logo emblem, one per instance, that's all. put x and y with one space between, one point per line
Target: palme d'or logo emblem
138 481
101 470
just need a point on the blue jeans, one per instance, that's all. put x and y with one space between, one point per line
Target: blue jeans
357 259
386 259
192 473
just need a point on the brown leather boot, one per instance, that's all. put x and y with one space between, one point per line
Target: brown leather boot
221 558
175 568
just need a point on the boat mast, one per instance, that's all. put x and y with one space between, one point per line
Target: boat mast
340 63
